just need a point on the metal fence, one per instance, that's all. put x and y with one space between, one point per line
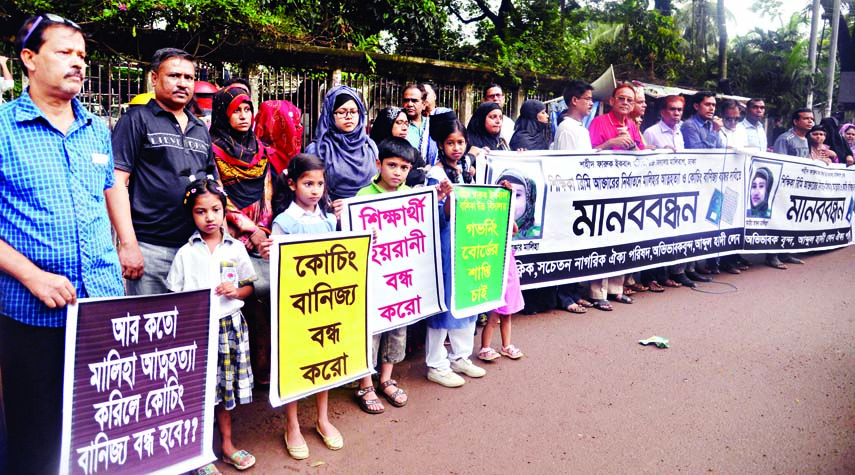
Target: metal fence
110 85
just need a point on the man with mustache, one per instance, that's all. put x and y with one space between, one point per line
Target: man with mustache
55 243
156 146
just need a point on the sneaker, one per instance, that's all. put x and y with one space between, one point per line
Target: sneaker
445 378
465 366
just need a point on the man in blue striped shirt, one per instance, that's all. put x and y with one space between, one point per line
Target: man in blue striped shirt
55 246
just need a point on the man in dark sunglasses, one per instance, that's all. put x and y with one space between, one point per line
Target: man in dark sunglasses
55 242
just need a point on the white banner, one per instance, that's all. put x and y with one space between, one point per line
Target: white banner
592 215
405 265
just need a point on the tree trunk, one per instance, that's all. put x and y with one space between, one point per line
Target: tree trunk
722 40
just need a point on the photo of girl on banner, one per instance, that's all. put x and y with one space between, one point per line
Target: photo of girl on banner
528 197
761 188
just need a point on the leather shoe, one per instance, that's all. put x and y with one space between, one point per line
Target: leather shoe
682 279
697 277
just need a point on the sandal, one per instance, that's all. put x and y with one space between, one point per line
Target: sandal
655 287
576 308
672 283
396 394
585 303
241 459
628 291
511 352
365 404
603 305
488 354
639 287
621 298
209 469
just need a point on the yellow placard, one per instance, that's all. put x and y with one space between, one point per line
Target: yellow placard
322 302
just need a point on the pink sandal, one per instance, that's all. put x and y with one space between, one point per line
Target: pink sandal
488 354
511 352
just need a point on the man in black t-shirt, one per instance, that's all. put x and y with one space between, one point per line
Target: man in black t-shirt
154 146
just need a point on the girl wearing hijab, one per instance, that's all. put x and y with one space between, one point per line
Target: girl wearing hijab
485 127
392 121
532 131
761 187
524 196
349 155
244 166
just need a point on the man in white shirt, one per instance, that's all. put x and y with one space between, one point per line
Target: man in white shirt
571 134
732 132
666 133
493 93
754 131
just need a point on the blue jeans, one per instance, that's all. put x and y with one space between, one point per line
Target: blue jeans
158 261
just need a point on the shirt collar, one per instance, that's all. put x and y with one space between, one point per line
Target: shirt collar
27 110
227 238
156 109
295 211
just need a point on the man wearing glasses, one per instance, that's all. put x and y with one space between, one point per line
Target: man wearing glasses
571 134
732 132
666 133
55 243
493 93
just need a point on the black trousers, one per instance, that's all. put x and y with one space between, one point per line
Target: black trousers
31 367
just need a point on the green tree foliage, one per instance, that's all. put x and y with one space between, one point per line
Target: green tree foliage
772 65
640 43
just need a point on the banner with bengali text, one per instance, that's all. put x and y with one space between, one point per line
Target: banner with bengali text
798 205
319 305
405 269
602 214
480 220
139 384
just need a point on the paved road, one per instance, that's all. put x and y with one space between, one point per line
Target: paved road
760 378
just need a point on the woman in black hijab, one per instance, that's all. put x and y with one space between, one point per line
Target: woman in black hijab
485 127
392 121
531 131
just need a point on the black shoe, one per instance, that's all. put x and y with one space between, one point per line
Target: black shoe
697 277
682 279
788 259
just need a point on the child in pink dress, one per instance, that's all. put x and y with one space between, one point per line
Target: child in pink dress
513 303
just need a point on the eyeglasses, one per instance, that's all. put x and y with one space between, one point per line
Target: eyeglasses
410 99
586 98
675 109
402 122
346 113
49 17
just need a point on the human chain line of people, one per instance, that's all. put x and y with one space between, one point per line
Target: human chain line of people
183 199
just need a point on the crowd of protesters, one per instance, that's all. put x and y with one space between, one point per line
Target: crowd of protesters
182 197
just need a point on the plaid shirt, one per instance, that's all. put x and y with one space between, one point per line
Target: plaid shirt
52 207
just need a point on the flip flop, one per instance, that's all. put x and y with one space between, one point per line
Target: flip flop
241 459
628 291
655 287
585 303
209 469
621 298
603 305
576 308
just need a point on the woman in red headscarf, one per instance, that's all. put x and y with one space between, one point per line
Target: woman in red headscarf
244 166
